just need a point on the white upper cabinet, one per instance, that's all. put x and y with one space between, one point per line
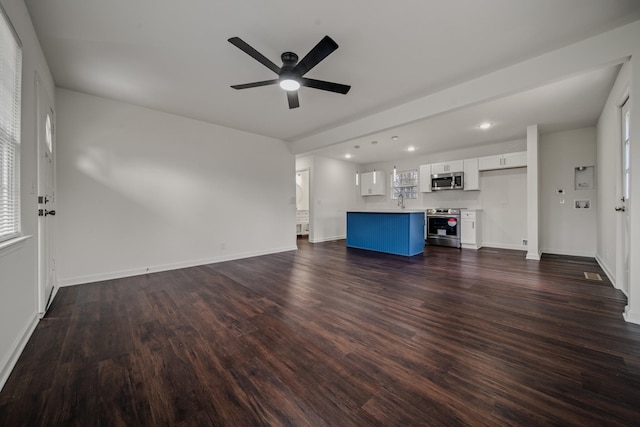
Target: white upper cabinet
471 175
425 179
372 183
446 167
515 160
503 161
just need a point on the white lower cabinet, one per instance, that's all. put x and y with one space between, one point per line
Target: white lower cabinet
302 223
470 236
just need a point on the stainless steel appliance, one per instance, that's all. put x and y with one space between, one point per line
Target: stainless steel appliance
447 181
443 227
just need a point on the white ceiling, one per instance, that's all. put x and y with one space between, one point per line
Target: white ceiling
174 56
569 104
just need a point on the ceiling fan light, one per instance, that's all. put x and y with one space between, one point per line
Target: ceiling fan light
289 84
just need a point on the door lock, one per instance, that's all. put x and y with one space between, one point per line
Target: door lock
619 208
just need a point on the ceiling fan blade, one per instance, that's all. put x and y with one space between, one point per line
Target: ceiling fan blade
320 51
243 46
256 84
292 97
321 84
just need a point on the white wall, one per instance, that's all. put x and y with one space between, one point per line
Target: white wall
565 229
141 190
18 263
533 192
503 194
332 195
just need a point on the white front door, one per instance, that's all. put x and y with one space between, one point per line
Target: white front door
46 197
624 206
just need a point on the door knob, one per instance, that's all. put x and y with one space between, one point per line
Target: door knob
619 209
46 212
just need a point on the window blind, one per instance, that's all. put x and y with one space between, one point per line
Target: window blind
10 99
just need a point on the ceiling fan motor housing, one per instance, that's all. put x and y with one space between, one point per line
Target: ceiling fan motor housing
289 61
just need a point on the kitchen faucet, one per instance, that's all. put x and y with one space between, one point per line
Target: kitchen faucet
401 200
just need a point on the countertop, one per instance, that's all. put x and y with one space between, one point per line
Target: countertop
391 211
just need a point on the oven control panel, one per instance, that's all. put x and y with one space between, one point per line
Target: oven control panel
443 211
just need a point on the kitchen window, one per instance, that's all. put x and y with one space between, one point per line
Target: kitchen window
10 105
405 184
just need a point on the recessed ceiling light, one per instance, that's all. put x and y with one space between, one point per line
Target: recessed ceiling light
411 148
394 138
485 125
347 156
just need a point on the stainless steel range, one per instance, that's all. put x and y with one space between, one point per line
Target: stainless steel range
443 227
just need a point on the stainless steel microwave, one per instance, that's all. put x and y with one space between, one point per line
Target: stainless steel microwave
447 181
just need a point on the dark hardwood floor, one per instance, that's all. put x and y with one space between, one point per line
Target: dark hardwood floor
330 336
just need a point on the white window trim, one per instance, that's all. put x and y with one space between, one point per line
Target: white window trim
13 131
4 246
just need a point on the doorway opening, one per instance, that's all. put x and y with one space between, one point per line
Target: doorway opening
302 204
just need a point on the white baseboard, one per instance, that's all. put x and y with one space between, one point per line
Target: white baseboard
470 246
504 246
612 278
328 239
589 254
533 256
99 277
631 316
9 362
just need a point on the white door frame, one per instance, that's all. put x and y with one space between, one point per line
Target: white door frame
625 202
46 196
622 227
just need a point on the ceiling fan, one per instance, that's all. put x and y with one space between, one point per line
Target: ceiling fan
290 75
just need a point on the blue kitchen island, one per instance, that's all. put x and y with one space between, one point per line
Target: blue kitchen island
392 232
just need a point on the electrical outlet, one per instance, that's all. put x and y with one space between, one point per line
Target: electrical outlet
525 242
